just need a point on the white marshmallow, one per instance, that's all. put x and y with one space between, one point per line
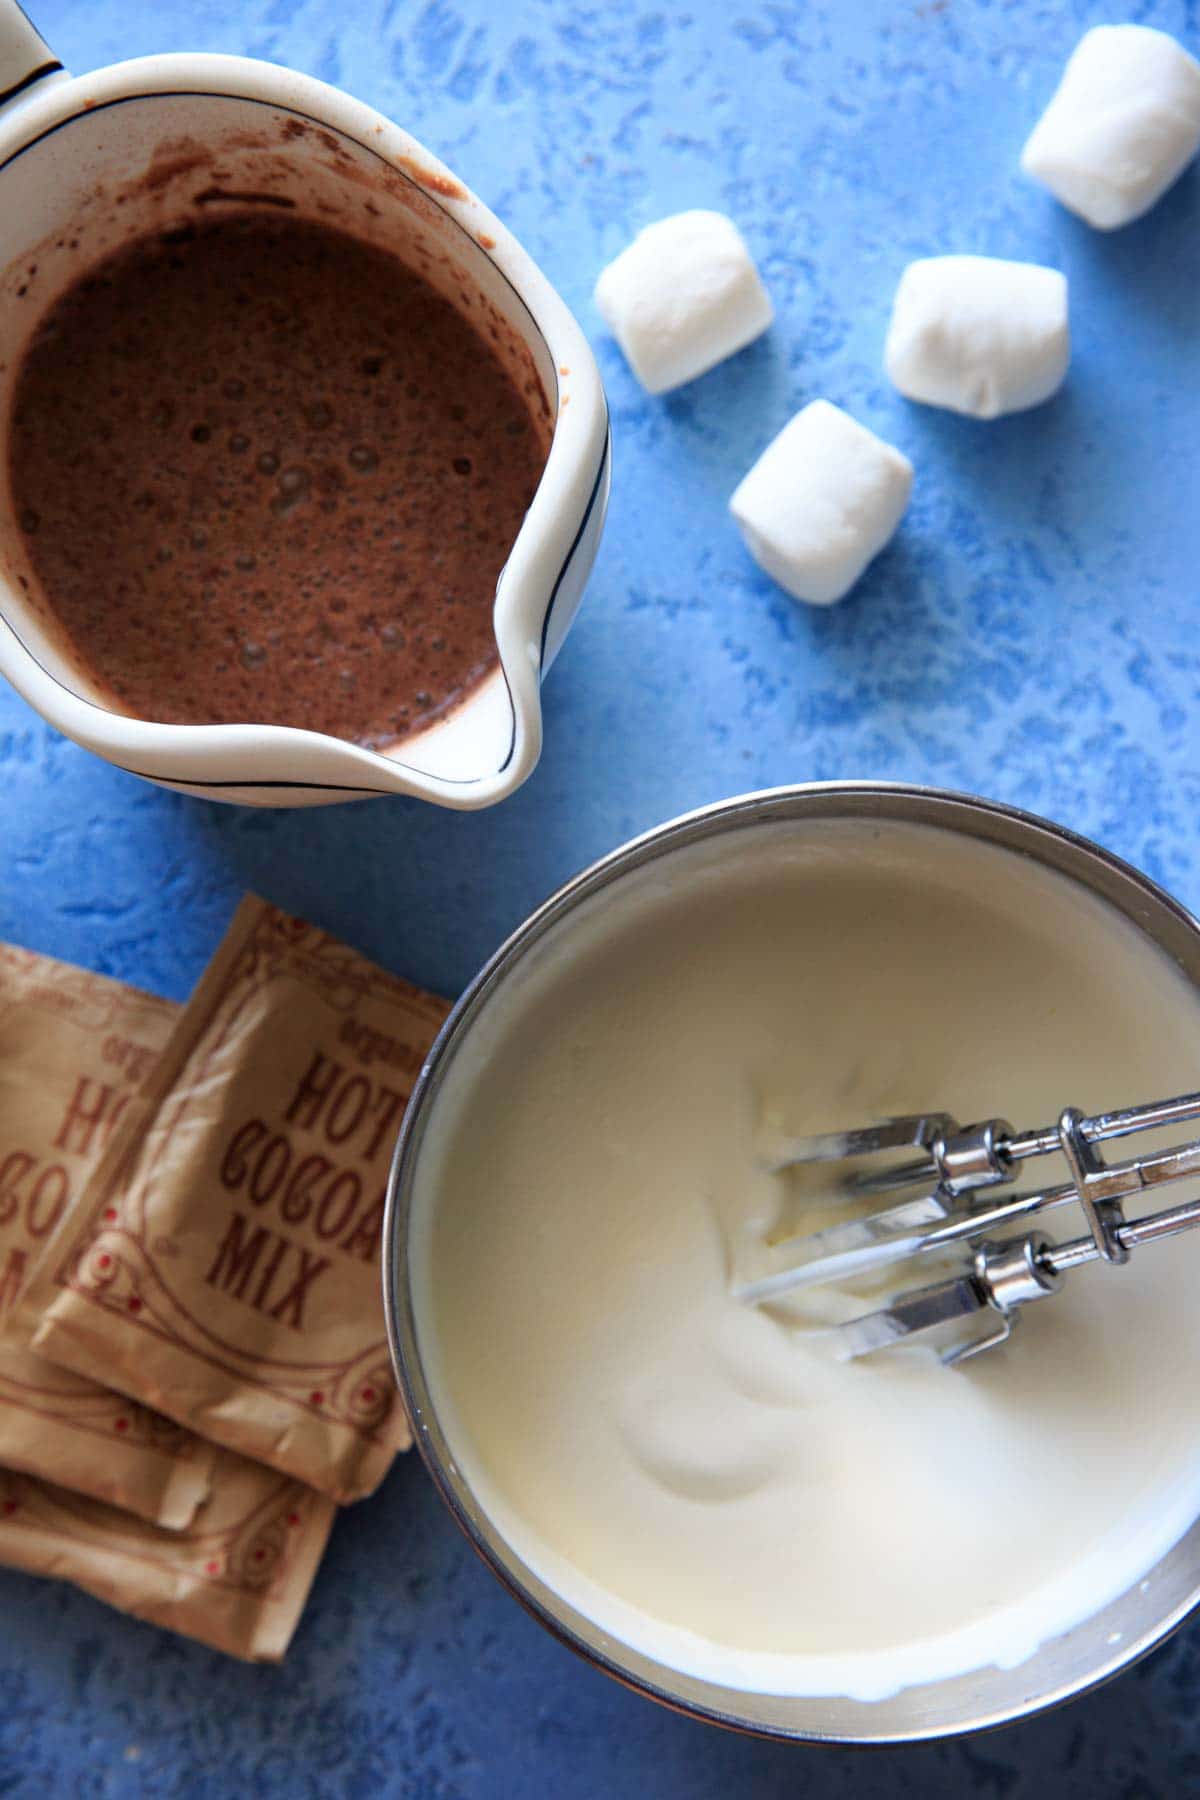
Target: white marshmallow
1123 125
978 335
820 502
682 297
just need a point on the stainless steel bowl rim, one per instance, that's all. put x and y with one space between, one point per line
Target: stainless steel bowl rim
1012 828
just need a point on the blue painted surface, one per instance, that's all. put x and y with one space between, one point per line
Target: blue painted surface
1032 635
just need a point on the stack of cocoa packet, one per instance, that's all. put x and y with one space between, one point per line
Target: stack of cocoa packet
193 1366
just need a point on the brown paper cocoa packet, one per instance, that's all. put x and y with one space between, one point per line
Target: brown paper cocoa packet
74 1047
237 1578
228 1272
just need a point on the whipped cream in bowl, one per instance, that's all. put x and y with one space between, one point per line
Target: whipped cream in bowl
697 1493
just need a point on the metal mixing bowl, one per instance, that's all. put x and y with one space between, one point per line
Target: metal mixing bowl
1081 1658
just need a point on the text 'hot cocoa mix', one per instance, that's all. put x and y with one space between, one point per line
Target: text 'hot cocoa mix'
228 1270
266 473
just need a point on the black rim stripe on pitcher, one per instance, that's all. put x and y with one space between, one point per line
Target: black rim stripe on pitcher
27 81
588 510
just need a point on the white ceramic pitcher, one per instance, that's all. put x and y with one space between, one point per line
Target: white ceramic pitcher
88 163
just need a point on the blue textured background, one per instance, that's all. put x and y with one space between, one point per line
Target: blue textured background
1031 635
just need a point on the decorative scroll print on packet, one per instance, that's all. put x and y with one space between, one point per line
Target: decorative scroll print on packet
228 1273
237 1578
73 1048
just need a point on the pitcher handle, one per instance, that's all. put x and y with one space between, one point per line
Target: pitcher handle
25 56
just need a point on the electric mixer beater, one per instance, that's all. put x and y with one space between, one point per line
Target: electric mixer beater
957 1211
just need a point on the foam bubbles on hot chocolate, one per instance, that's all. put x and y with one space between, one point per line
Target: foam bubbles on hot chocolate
242 493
